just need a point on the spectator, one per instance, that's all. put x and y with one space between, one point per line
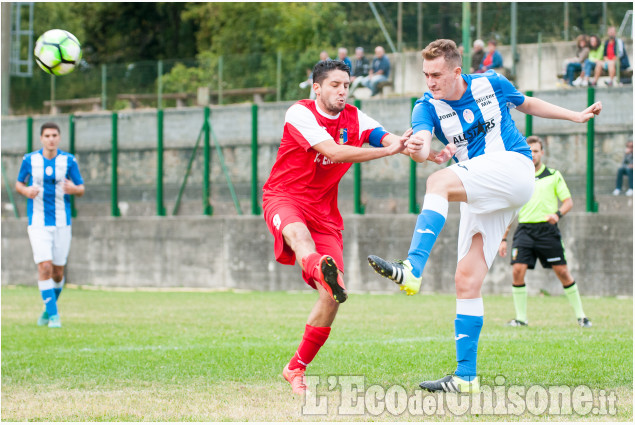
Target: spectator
342 54
596 53
493 59
573 65
626 169
324 56
360 69
478 53
379 70
614 50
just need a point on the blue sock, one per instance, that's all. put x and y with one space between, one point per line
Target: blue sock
57 287
467 327
429 224
48 296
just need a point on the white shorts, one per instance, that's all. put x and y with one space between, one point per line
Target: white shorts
497 185
50 243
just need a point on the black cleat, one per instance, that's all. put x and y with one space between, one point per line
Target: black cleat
451 384
516 323
331 280
585 322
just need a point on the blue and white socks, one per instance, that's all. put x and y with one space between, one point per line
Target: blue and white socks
58 286
429 224
49 297
467 328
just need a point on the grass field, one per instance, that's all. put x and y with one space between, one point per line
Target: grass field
218 356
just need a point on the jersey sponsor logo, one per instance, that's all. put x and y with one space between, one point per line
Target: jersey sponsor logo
343 136
468 116
321 159
485 100
446 116
483 127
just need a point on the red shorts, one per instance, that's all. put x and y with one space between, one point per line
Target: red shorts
279 212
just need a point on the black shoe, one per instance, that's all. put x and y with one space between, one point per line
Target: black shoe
451 384
516 323
585 322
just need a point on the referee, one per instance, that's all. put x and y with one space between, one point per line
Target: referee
538 236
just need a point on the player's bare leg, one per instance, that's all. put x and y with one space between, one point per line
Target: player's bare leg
572 293
322 268
469 277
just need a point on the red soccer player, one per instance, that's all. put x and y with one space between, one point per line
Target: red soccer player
321 139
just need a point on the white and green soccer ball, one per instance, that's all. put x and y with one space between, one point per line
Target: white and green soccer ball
57 52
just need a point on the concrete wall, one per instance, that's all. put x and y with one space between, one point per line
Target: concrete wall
384 188
237 252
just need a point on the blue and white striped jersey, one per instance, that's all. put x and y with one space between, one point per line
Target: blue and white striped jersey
51 207
477 123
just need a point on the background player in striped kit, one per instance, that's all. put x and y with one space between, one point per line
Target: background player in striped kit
538 236
52 176
493 178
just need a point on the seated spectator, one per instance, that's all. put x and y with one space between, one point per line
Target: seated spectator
493 59
342 54
596 53
324 56
626 169
379 70
360 69
573 65
614 50
478 53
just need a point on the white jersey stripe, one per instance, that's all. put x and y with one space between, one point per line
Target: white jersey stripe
303 120
37 174
450 125
490 109
61 164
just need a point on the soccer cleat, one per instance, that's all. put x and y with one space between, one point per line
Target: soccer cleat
451 384
398 271
43 320
295 378
516 323
55 322
584 322
331 280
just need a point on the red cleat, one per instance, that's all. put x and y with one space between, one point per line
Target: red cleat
295 378
331 280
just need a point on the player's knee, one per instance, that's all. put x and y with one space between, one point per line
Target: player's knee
57 273
467 284
45 269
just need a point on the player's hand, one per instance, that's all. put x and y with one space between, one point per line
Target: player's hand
444 155
406 135
502 249
32 192
552 218
414 144
69 187
590 112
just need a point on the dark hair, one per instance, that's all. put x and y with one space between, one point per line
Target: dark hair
49 125
592 36
322 69
445 48
535 139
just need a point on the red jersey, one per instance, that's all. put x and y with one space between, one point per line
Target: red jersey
302 173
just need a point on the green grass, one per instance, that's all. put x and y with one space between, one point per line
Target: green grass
205 356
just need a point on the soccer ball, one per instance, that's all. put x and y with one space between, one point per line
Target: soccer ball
57 52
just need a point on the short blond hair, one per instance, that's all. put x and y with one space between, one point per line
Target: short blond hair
445 48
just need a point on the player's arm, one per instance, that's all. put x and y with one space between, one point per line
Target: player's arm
502 249
566 206
540 108
29 191
419 148
391 145
71 188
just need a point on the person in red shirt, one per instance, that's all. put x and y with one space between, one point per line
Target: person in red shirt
321 139
614 51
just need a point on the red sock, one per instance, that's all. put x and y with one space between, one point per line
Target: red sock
309 264
313 339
